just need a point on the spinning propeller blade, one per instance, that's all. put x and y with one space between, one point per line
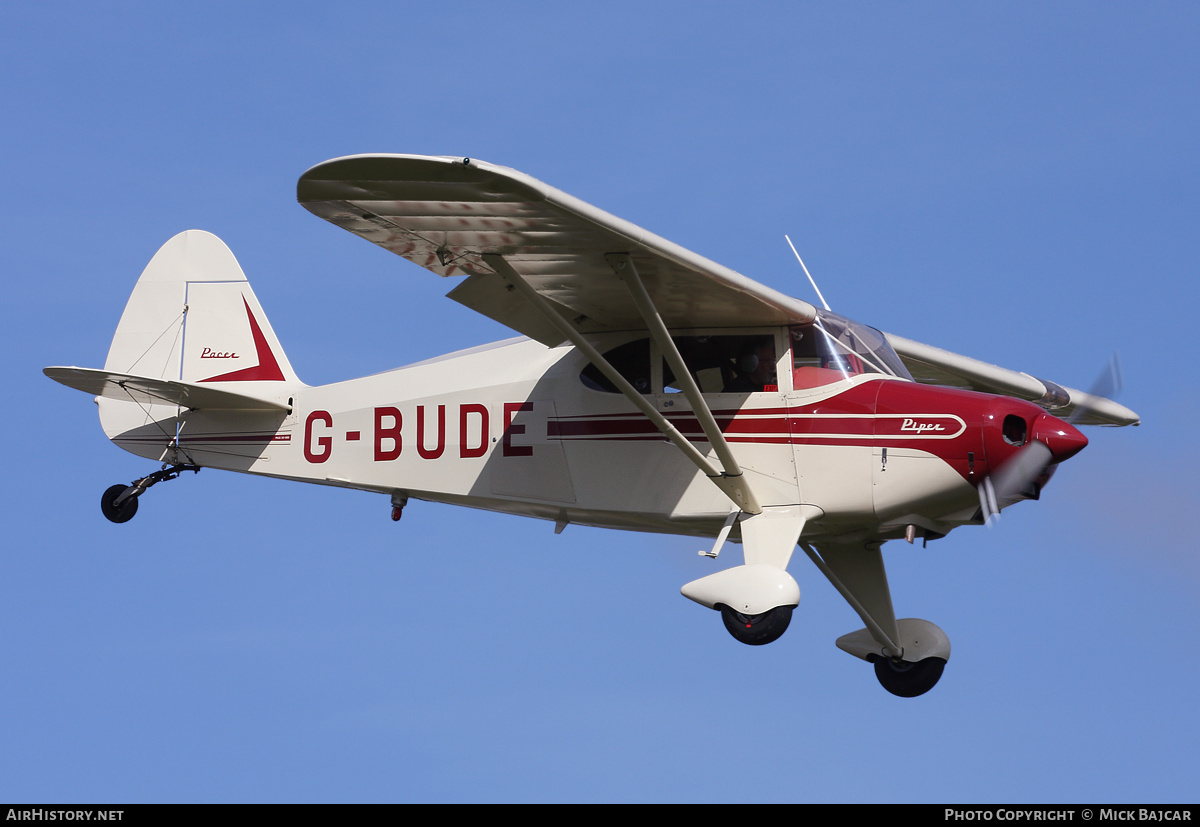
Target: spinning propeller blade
1108 384
1051 440
1014 480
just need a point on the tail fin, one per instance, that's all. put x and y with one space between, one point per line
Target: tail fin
192 335
192 317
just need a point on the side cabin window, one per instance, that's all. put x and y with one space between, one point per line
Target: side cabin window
631 360
718 364
725 364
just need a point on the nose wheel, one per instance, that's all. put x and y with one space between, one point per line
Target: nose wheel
120 502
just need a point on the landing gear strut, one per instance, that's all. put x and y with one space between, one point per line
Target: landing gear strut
120 502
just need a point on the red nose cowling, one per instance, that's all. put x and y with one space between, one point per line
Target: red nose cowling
1063 439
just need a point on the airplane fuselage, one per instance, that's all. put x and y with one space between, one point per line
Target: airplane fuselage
517 427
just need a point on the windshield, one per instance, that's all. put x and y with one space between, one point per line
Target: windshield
834 348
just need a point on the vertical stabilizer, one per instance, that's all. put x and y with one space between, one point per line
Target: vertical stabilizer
193 317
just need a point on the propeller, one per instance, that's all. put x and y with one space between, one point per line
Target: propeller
1050 441
1013 480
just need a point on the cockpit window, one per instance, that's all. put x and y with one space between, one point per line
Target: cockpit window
834 348
632 361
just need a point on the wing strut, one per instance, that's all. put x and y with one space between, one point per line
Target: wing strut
733 485
623 266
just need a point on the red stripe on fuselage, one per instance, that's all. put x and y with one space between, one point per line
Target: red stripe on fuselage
942 422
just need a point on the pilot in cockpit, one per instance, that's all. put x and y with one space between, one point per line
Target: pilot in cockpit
754 369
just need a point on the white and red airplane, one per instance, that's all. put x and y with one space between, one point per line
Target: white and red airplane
651 389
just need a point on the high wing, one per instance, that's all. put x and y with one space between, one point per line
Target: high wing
446 213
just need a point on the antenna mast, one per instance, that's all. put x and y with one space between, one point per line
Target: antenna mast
810 278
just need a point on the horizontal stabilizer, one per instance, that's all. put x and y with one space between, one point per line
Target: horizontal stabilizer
148 391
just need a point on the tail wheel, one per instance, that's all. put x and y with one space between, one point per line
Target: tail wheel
908 680
759 629
118 513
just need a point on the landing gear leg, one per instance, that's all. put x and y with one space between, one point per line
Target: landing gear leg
120 502
909 654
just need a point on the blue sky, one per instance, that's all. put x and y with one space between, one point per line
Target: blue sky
1013 181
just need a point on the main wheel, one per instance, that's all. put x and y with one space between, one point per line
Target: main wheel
908 680
118 514
755 630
